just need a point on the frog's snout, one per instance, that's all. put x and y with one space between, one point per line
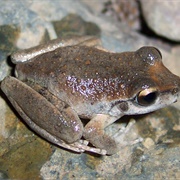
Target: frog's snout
176 90
175 93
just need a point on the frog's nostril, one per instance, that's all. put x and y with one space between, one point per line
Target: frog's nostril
175 91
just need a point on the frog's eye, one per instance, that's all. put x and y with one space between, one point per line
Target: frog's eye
149 54
147 97
158 52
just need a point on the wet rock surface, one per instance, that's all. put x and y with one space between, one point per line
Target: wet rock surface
23 155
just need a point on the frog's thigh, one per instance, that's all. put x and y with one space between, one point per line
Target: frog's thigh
42 115
94 133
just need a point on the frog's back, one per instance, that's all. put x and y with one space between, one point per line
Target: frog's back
79 61
82 70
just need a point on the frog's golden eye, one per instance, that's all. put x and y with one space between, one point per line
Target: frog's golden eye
147 97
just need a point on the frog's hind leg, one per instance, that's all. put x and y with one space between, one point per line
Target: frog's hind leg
27 54
80 145
43 117
44 133
48 116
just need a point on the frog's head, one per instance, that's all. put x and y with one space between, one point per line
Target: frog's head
151 88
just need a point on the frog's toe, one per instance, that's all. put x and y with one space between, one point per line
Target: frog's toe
83 145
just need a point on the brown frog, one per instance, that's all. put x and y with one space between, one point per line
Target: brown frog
60 82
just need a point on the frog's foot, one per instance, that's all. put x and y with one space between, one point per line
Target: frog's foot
127 135
80 146
83 144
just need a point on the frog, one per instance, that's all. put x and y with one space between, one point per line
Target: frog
59 83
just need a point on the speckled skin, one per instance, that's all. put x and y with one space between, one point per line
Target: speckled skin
82 81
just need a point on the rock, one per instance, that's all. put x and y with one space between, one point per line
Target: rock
126 12
163 17
148 143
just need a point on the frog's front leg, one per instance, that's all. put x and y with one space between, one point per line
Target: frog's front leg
94 133
60 124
